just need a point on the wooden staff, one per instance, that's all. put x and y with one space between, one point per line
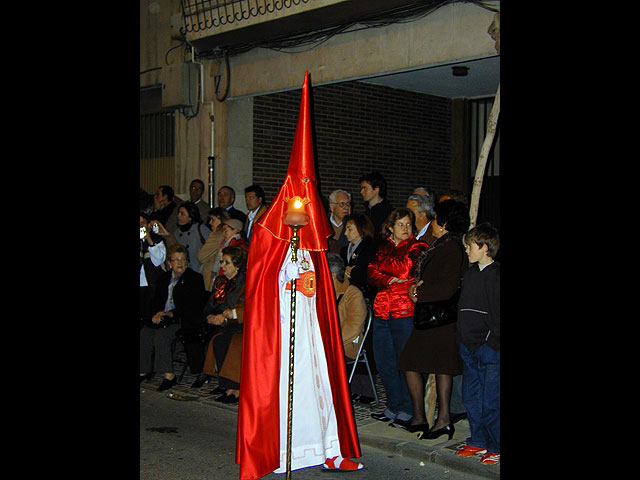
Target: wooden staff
292 335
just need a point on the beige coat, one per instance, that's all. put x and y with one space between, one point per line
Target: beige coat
352 311
207 255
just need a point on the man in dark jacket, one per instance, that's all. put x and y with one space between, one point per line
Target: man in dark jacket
373 188
226 197
165 208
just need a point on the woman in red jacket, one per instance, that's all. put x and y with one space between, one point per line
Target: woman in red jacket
392 272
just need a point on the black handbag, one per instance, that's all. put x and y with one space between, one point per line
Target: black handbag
190 336
435 314
164 323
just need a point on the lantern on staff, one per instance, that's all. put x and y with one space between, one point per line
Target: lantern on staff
296 213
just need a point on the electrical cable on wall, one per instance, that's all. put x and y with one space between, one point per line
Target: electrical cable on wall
166 55
150 70
296 43
228 75
194 112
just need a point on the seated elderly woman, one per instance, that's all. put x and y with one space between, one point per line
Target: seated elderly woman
352 311
225 311
178 303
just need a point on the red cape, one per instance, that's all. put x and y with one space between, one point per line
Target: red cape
258 435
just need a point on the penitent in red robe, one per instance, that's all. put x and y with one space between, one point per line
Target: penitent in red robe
258 437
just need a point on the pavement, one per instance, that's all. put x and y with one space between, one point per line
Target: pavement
372 433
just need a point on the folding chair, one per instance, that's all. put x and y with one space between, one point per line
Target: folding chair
361 357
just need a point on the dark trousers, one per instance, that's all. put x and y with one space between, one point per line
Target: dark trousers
481 396
156 354
145 302
195 355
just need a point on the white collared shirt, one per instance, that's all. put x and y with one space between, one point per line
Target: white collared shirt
352 248
251 215
424 230
331 218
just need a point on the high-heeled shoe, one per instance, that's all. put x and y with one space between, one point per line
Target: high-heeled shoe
230 399
381 416
222 398
421 427
218 390
167 384
203 377
433 434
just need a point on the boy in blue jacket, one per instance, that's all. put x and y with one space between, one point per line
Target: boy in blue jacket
478 333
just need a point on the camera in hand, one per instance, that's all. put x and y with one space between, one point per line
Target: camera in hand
143 230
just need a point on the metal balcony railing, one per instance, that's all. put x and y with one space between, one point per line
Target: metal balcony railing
201 15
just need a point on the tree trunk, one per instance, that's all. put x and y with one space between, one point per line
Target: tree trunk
482 160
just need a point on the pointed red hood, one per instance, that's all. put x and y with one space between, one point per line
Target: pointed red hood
301 181
258 433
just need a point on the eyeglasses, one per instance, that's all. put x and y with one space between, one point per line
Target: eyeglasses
178 260
341 204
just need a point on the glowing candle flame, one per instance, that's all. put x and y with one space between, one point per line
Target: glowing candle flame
296 214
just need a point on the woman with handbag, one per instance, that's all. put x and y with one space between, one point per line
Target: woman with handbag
392 272
434 349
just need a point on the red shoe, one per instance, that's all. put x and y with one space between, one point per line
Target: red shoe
470 451
490 458
342 464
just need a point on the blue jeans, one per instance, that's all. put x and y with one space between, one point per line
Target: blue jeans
481 396
389 339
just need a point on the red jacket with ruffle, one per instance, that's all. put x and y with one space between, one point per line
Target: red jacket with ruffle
393 260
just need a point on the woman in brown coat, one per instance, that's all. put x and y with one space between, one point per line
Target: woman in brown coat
225 310
438 275
209 252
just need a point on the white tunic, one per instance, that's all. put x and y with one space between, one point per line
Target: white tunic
314 427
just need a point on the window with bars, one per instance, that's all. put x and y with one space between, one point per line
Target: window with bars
157 135
479 115
157 150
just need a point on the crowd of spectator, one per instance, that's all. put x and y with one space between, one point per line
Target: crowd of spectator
193 263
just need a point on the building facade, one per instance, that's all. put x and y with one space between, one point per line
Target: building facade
220 89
